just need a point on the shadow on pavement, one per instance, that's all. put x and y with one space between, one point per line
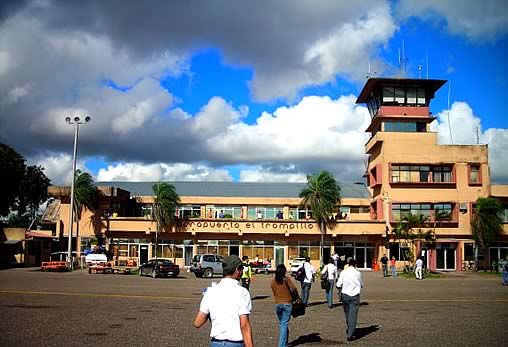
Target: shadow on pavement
364 331
316 303
309 338
260 297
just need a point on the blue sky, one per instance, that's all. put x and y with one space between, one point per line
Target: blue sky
262 92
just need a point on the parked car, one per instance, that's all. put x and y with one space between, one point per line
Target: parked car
296 264
159 267
207 265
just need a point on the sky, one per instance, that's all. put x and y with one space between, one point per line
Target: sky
260 91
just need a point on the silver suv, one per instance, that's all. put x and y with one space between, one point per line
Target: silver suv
207 265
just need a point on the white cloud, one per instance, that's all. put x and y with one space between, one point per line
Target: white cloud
161 172
344 50
259 174
316 129
466 129
57 167
473 19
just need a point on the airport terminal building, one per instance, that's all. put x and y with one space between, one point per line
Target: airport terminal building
408 172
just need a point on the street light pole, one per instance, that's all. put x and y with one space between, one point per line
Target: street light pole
76 122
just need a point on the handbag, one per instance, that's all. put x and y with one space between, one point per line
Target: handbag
325 284
298 307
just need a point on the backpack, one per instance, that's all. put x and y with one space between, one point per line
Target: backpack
300 274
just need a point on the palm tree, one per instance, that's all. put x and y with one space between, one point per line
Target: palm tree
322 195
486 224
164 207
412 229
85 197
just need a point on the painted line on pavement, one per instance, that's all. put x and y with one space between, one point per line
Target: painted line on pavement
97 295
373 301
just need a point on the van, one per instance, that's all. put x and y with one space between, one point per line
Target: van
94 259
207 265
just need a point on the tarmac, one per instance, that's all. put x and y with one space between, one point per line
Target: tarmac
81 309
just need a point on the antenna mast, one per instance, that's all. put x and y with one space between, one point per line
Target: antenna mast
402 59
448 113
427 56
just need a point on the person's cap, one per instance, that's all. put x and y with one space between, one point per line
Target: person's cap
231 262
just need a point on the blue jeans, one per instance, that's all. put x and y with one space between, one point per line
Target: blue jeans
226 344
385 270
283 312
351 304
394 271
505 278
305 292
329 293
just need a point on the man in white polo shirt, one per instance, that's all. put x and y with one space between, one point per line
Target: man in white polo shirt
228 306
351 282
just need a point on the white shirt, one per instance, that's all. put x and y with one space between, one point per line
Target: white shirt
330 270
351 281
309 272
225 303
419 263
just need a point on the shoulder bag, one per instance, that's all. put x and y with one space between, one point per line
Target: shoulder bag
298 306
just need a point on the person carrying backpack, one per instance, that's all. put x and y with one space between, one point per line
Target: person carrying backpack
307 280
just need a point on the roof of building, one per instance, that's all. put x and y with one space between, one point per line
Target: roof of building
373 83
236 189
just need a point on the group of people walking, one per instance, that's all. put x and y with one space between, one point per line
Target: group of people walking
228 305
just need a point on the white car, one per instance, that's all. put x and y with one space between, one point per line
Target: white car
296 264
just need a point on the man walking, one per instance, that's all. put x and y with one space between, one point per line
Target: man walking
384 263
419 268
351 283
228 307
307 281
247 272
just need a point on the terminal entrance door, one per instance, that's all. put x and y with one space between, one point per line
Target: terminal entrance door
279 255
445 254
143 254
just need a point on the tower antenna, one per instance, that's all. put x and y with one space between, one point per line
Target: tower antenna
427 58
448 113
402 59
370 73
477 135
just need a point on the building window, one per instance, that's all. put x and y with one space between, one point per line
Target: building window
420 174
300 213
400 95
234 212
263 212
442 174
405 127
189 211
398 250
429 211
474 174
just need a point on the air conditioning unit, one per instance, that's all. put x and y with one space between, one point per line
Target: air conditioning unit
463 207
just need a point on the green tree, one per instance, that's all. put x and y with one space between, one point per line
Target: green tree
321 195
23 188
85 194
85 197
486 224
164 207
12 171
33 191
411 229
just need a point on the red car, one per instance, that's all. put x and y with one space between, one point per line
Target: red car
159 267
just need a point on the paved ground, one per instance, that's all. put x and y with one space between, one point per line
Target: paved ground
78 309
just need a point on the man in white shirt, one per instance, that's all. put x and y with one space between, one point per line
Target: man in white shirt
351 282
228 307
419 268
307 282
329 273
